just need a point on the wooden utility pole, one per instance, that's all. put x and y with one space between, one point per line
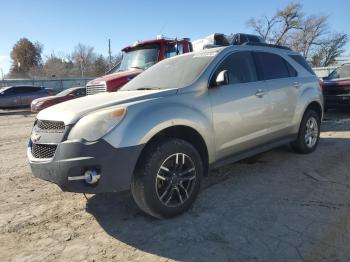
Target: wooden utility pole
110 53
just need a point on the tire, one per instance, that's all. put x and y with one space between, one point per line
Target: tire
307 144
162 188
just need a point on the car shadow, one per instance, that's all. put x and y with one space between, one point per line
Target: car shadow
193 236
336 120
16 111
241 207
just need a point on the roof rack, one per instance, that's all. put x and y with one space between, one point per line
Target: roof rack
267 45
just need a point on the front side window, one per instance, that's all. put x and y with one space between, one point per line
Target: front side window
271 66
173 50
80 92
141 57
240 67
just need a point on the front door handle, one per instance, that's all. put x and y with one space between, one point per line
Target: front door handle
296 85
260 93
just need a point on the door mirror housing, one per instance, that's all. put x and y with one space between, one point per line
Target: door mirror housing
222 78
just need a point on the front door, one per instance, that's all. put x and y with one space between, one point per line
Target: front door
240 108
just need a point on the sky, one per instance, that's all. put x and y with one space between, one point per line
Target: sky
61 25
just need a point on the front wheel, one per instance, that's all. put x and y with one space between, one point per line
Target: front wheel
167 179
309 133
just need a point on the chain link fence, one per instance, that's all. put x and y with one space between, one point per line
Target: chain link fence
56 84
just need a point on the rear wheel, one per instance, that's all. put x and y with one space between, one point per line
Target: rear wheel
167 179
309 133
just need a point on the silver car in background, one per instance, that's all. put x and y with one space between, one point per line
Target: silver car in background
161 133
15 96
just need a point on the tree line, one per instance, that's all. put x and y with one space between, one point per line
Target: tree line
28 62
308 34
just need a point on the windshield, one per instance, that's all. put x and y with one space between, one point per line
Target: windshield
65 92
114 69
140 57
176 72
340 72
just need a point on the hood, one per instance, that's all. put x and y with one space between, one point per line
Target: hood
44 99
71 111
114 76
50 98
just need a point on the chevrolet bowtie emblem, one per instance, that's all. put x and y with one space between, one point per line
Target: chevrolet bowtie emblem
35 137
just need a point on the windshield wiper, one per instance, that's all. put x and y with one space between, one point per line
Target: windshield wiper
137 67
148 88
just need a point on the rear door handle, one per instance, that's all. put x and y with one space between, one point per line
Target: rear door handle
296 85
260 93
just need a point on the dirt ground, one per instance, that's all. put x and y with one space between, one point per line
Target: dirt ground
278 206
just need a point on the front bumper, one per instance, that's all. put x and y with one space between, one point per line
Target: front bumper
73 158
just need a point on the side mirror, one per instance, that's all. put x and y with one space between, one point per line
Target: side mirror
2 93
325 78
222 78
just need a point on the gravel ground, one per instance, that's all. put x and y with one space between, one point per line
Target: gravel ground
278 206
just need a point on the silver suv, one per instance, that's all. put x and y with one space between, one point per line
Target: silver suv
162 132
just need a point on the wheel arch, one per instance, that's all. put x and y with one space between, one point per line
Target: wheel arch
314 105
186 133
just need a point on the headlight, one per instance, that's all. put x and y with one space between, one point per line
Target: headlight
96 125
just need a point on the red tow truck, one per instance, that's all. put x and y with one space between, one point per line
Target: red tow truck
137 58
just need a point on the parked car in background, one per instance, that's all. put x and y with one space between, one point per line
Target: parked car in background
162 132
136 59
68 94
16 96
336 88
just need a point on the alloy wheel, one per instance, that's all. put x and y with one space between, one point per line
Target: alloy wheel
311 134
175 180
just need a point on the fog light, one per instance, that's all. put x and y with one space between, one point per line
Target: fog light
91 177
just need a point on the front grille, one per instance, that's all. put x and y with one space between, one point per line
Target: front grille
95 89
50 126
43 151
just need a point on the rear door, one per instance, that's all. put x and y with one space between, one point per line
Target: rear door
241 108
283 85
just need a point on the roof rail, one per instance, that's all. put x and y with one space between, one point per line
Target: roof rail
267 45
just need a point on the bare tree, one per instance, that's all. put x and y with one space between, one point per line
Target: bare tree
290 18
276 28
312 30
263 26
329 50
307 35
84 56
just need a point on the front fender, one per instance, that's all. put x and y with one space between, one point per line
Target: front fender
144 121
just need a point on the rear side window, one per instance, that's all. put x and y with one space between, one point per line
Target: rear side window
301 61
271 66
291 70
26 89
240 66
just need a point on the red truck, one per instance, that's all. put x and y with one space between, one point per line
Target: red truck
137 58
